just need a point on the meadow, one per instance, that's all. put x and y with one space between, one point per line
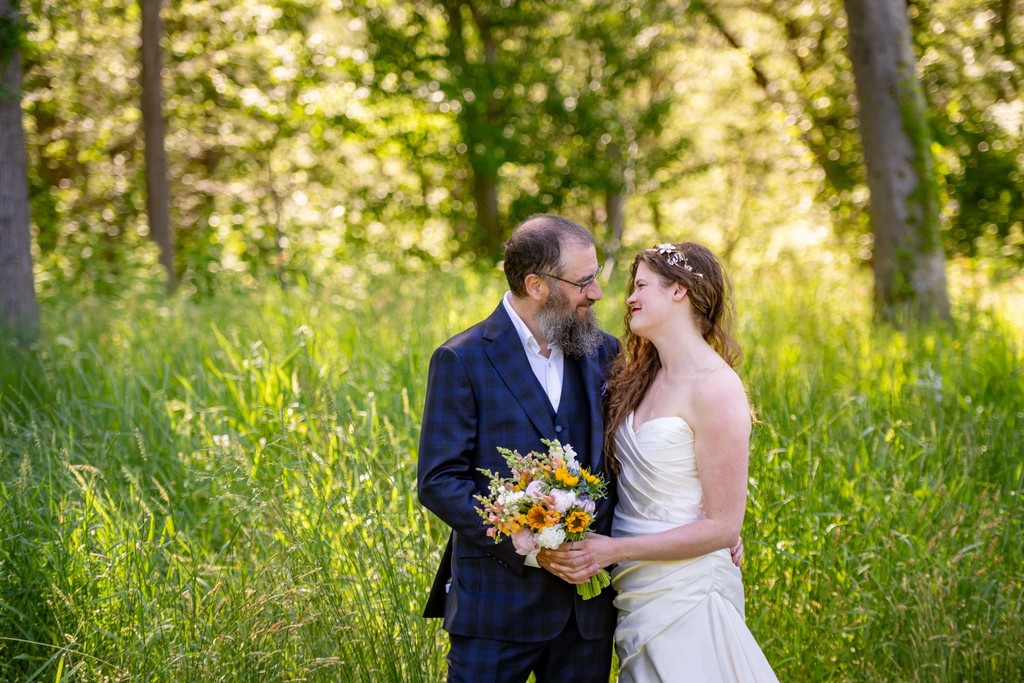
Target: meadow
223 489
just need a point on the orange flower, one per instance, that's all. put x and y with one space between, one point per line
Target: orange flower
577 522
540 517
516 524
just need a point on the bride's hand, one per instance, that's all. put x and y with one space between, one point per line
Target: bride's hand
599 550
737 552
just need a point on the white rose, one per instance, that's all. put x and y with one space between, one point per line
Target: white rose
551 538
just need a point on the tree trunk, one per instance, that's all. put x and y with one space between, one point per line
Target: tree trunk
18 307
158 201
485 195
615 201
909 264
615 217
477 117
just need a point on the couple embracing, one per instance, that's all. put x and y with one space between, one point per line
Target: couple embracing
668 422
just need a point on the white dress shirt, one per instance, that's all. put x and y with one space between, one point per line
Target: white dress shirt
548 371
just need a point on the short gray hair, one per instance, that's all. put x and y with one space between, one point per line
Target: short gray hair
536 247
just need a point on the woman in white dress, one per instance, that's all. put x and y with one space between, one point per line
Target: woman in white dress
677 432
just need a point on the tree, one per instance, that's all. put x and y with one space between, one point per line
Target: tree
482 115
158 204
478 61
618 72
18 307
909 264
972 65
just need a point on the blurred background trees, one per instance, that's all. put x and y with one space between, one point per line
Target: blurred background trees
311 139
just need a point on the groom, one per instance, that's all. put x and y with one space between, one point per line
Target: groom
534 369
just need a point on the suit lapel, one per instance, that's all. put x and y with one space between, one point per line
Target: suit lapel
590 368
508 357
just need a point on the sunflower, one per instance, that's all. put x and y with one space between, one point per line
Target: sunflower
540 517
576 522
590 478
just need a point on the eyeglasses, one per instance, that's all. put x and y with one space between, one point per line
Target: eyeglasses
582 284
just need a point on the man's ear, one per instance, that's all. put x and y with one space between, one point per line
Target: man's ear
536 287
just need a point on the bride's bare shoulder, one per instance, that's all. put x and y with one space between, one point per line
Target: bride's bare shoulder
720 393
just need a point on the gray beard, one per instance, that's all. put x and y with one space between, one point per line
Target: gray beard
577 337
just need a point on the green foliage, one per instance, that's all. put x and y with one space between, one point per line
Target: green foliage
13 26
301 133
885 480
976 118
970 57
236 503
84 142
224 489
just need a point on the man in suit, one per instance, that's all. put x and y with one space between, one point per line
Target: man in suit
534 369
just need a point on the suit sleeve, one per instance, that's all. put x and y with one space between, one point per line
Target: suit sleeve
447 467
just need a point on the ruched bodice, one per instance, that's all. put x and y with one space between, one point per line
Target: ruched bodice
658 479
679 620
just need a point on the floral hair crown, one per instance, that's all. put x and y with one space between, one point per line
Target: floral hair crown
675 257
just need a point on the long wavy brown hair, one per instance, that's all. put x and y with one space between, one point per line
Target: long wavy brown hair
693 266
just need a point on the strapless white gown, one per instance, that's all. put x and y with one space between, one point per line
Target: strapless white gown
678 620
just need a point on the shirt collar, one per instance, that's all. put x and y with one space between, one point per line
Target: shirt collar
525 335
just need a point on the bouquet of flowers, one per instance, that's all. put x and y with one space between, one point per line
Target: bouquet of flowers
548 500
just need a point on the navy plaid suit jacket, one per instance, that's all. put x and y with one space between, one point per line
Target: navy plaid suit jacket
482 394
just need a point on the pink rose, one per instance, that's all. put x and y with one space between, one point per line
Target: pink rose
535 489
524 543
562 500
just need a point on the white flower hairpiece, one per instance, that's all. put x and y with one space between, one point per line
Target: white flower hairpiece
675 257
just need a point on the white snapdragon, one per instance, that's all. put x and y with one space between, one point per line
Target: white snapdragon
510 498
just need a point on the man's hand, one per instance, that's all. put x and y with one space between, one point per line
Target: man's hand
568 562
737 552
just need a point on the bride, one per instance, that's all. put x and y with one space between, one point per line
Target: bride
677 431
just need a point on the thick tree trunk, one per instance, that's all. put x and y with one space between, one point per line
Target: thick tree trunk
158 200
18 307
909 264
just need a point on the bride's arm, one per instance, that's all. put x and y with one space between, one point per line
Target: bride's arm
720 418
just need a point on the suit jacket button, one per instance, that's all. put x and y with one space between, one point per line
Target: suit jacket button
558 428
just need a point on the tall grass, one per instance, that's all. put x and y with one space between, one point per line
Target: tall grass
225 490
